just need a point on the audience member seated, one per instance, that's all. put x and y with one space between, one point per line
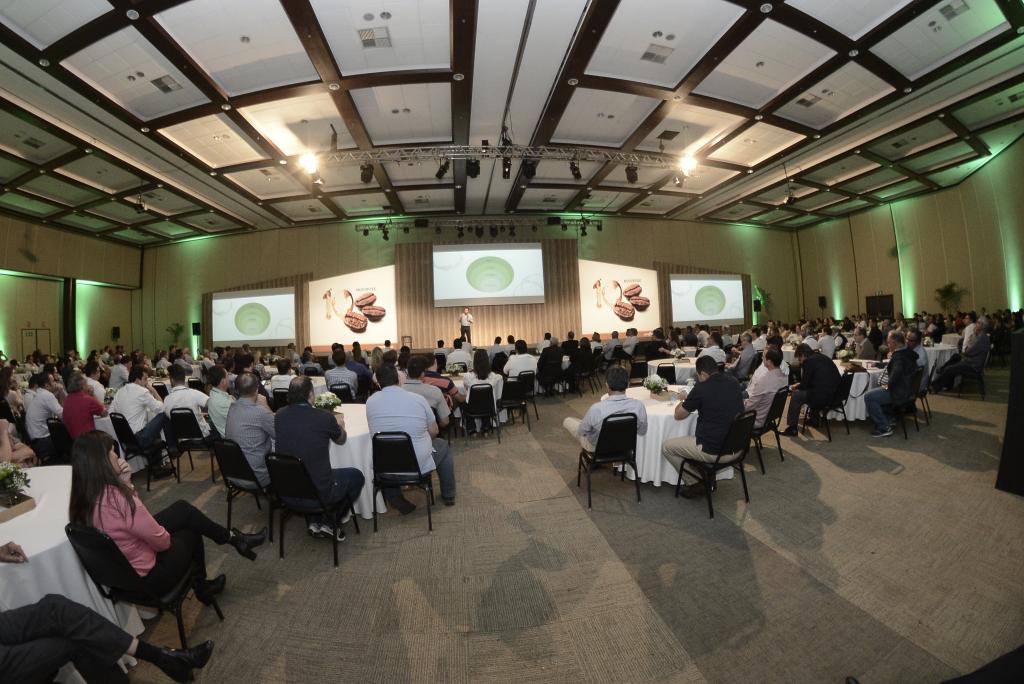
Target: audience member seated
119 373
863 349
570 345
713 348
183 396
42 407
764 383
159 547
480 372
250 424
717 399
459 355
588 429
414 383
703 334
80 407
972 360
826 342
441 351
521 361
432 376
141 406
894 387
613 344
745 354
549 365
341 373
305 432
496 348
284 376
595 342
219 402
92 379
544 344
630 342
819 379
309 363
395 410
12 450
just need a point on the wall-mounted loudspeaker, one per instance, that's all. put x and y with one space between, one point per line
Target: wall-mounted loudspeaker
822 302
115 332
757 305
197 329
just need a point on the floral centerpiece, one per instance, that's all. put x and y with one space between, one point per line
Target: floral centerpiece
844 354
455 368
928 341
678 353
327 401
655 384
108 395
161 372
13 481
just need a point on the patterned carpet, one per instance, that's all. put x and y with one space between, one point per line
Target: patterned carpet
889 560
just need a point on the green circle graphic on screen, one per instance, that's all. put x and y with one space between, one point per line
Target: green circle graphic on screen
490 274
710 300
252 319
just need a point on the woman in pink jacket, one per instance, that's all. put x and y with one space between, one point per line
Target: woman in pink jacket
160 547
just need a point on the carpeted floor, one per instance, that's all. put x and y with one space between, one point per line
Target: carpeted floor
889 560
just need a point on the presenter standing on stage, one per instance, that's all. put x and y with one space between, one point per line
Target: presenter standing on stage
465 325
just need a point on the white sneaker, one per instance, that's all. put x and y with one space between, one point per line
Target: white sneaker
326 531
348 516
316 530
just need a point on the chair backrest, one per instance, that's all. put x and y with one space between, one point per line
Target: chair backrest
667 371
311 371
737 440
776 409
289 478
498 362
161 389
185 424
529 380
280 399
232 461
363 391
843 390
513 390
617 436
59 436
442 360
480 400
103 560
196 384
124 432
394 454
915 384
344 392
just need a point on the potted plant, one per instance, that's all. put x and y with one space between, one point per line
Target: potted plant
13 481
327 401
175 330
949 297
655 384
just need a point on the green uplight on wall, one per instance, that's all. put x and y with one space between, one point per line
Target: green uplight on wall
907 270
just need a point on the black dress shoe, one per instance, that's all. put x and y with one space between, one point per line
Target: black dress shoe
448 500
207 589
791 431
178 665
160 472
245 543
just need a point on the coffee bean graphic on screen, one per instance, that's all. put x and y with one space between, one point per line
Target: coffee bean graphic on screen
355 321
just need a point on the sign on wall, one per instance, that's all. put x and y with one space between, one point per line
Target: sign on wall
353 307
617 297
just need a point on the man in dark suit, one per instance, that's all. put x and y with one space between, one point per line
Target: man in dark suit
895 387
819 379
972 360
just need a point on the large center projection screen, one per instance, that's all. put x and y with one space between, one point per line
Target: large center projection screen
261 317
467 275
707 299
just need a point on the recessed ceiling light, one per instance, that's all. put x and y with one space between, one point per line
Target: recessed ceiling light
817 136
750 170
225 106
44 62
766 8
132 14
282 161
758 117
908 90
571 81
458 77
334 86
144 129
88 150
385 15
677 98
759 65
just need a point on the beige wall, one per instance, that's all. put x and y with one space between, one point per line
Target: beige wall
38 249
175 276
972 234
28 303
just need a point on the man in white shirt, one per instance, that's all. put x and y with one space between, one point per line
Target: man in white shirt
466 325
702 336
162 361
714 348
139 403
292 355
740 368
764 383
827 343
521 361
495 348
588 430
119 373
92 379
43 407
395 410
207 361
283 377
183 396
545 343
459 355
758 339
629 344
808 338
609 349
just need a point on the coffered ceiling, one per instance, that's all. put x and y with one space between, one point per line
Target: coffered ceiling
150 121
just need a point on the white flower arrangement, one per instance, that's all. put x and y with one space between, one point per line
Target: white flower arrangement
655 384
844 354
108 395
678 353
455 368
161 372
327 400
13 480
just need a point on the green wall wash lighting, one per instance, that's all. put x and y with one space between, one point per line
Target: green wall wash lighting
907 268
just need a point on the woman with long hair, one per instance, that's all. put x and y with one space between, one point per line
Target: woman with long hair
10 392
159 547
482 374
357 353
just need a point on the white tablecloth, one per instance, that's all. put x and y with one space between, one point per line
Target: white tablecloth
685 368
788 352
357 452
53 567
952 339
319 384
938 354
856 409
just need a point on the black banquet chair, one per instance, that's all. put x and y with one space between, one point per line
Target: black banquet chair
616 443
480 405
237 474
771 424
837 403
909 408
296 493
60 438
189 435
116 579
395 465
734 451
132 448
344 392
280 399
529 380
668 372
161 389
196 384
513 398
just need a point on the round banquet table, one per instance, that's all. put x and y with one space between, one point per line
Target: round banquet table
661 425
856 409
357 452
685 368
938 355
53 567
952 339
788 352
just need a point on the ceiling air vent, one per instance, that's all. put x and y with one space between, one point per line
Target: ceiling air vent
166 84
550 199
1015 97
668 135
954 9
34 143
378 37
420 199
808 100
656 53
313 209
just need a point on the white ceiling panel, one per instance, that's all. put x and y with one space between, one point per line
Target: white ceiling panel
55 189
957 173
396 115
215 140
10 169
756 144
281 122
165 202
694 127
770 60
120 212
1002 137
658 204
872 181
851 18
606 200
799 221
96 172
344 177
360 205
244 45
27 205
212 222
28 142
838 95
704 178
267 183
136 236
542 199
413 172
818 201
780 194
601 117
645 176
304 210
847 206
841 170
86 222
131 72
898 190
944 32
994 108
658 41
367 36
170 229
42 22
916 139
428 200
774 216
947 154
495 52
558 172
737 212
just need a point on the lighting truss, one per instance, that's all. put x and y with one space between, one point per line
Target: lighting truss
522 224
538 153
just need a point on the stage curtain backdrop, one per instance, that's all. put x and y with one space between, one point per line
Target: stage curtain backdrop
665 271
300 282
418 317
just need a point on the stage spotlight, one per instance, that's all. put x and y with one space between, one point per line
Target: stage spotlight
405 229
583 231
308 162
472 168
366 232
574 169
631 175
511 231
677 182
494 231
442 169
506 167
529 168
479 230
385 235
366 173
437 230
